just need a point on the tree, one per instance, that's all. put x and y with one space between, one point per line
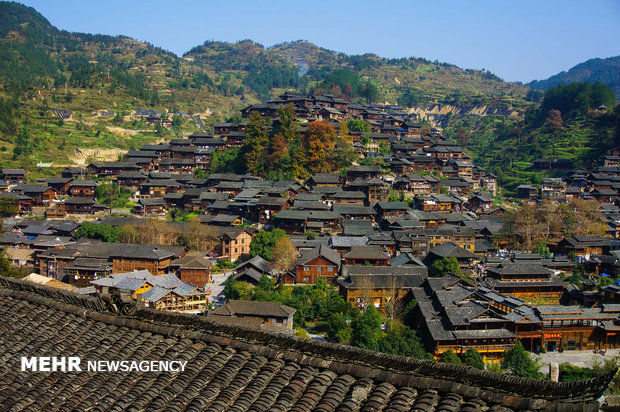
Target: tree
129 234
338 328
401 340
394 305
367 329
542 249
318 144
450 357
278 151
200 174
617 125
262 244
8 206
255 143
517 361
371 92
284 254
7 269
359 125
287 127
103 232
234 290
473 358
448 265
526 224
554 120
197 236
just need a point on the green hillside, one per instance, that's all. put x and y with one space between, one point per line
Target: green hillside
567 125
45 71
407 81
594 70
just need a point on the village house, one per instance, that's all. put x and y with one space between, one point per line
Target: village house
366 255
321 261
271 313
525 280
380 286
583 246
59 184
193 268
235 242
13 176
252 270
40 195
82 188
553 188
453 316
162 292
150 207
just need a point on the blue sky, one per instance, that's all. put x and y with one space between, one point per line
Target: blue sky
518 40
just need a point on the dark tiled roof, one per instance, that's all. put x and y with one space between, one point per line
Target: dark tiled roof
235 368
365 252
255 308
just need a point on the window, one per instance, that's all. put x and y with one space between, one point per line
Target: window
307 279
306 269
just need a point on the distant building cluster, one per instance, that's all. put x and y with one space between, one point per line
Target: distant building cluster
377 234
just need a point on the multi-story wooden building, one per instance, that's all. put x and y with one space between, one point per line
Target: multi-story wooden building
193 269
235 242
583 245
321 261
525 281
380 286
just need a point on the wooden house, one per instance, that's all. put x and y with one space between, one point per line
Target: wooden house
321 261
82 188
366 255
271 313
235 242
380 286
583 245
193 269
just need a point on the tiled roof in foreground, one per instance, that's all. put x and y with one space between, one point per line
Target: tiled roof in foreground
233 368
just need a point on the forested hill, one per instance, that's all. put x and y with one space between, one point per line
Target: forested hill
594 70
405 81
37 57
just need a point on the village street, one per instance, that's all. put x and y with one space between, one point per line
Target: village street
217 287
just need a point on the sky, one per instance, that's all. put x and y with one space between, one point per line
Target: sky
517 40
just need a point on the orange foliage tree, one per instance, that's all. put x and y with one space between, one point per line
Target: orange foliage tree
318 143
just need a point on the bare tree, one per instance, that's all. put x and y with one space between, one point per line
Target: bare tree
394 304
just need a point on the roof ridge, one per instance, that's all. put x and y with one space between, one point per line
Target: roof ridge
398 370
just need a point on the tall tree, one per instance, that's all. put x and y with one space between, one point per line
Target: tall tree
262 244
318 144
367 329
255 143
